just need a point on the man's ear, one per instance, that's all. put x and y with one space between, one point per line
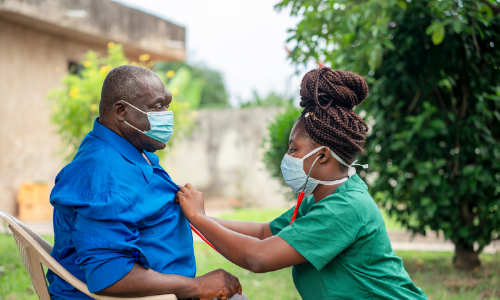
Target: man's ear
326 155
119 110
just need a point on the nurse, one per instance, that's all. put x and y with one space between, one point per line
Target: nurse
335 239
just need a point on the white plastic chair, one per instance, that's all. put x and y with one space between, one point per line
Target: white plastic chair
35 251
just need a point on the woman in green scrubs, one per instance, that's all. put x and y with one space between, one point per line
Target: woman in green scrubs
337 243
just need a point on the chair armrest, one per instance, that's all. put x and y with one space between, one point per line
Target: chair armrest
156 297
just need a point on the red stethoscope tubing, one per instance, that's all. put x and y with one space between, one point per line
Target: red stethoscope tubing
301 195
299 201
202 237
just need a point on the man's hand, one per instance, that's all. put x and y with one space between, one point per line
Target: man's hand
141 281
218 284
191 201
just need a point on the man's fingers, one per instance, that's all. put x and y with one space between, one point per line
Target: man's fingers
240 288
237 285
183 190
189 186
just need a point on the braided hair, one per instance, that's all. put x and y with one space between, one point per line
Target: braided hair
328 97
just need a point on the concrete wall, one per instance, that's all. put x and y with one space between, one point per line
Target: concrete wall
223 157
98 22
31 63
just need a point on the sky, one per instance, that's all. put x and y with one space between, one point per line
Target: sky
244 40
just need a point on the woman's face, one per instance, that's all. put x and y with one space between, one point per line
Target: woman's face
300 144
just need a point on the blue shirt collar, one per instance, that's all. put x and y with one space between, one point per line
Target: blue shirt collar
125 148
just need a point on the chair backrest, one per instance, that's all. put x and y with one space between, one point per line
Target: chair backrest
35 251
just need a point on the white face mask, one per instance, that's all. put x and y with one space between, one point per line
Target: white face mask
292 169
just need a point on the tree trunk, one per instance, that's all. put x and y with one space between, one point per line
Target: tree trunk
466 258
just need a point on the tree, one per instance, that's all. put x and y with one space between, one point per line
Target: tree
434 105
76 105
213 91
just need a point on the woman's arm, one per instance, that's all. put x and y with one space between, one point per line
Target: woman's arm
253 229
248 252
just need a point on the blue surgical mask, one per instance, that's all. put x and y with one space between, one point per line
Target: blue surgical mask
292 169
161 124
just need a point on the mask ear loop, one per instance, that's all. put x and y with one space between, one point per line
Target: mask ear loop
301 195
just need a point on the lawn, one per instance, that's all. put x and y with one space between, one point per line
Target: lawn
432 271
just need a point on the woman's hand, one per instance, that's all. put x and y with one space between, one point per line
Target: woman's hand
191 201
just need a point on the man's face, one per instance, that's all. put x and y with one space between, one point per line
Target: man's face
154 98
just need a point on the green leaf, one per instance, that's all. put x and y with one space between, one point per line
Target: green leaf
487 10
438 34
402 4
431 28
426 201
438 124
464 232
445 225
457 27
397 145
468 169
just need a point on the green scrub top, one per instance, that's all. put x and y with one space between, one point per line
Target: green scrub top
348 252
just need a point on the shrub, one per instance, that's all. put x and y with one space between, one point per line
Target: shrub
276 143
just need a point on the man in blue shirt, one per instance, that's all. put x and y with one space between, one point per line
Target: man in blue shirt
117 226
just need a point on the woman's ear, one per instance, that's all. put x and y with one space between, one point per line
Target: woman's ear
324 154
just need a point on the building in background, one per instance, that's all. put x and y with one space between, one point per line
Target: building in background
40 40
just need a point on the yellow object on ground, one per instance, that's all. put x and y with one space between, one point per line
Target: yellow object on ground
34 203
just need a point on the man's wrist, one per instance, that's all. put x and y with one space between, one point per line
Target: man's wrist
196 287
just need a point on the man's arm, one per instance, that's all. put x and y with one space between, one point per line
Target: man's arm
253 229
141 282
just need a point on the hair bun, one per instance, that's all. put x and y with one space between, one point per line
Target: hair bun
326 86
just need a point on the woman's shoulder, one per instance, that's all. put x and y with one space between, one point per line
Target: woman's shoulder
353 197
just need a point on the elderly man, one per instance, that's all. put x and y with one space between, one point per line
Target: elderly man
117 226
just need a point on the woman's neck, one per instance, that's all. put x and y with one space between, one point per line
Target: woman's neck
322 191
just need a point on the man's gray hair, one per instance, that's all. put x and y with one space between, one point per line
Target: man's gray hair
121 83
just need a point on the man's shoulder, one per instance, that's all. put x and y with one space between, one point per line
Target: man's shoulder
97 167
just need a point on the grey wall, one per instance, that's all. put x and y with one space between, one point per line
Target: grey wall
223 157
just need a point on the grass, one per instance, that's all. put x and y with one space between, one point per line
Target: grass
431 271
434 273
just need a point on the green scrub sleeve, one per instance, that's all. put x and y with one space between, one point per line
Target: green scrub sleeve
281 222
326 230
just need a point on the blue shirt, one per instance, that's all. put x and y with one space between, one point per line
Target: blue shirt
111 210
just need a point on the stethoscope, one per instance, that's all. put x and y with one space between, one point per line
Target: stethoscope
301 194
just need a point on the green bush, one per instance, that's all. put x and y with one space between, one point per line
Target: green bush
276 143
434 106
213 90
